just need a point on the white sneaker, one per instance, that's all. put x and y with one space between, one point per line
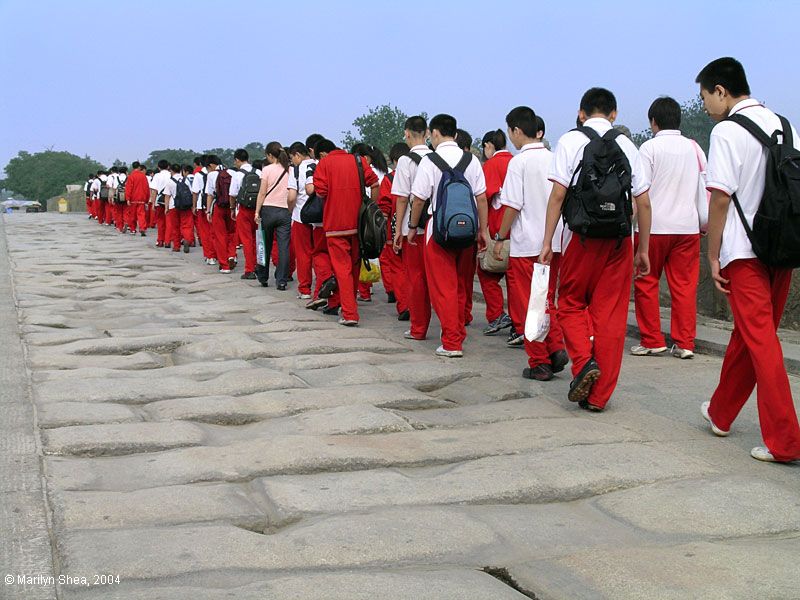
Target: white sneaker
440 351
408 336
642 351
681 353
717 431
762 453
224 271
304 296
348 322
212 261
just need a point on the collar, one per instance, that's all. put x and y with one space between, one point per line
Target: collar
247 167
532 146
337 151
598 122
669 132
422 147
501 151
447 144
747 103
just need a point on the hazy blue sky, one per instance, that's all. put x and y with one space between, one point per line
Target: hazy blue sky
117 79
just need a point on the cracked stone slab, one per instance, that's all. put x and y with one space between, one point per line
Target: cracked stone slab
426 376
325 361
560 475
509 410
479 390
198 371
732 506
172 505
230 410
116 439
280 455
64 414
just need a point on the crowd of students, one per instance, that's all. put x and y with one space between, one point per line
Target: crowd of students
530 207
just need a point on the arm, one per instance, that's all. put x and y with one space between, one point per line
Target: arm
509 216
641 262
483 217
554 206
291 199
374 193
717 215
262 194
399 213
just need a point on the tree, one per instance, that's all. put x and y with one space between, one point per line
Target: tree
381 126
255 150
695 124
42 175
172 156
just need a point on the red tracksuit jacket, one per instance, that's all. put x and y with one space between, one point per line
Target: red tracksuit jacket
336 179
137 188
494 170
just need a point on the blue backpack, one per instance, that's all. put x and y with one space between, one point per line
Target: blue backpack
455 219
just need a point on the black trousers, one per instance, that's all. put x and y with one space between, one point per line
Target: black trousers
277 223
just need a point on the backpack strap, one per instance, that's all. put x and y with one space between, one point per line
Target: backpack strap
390 176
788 137
612 134
464 163
440 163
360 168
588 132
415 157
754 129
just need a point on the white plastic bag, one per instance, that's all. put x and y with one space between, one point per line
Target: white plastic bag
537 322
261 247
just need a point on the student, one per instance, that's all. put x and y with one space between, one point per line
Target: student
392 271
595 273
415 132
200 205
448 270
272 211
526 191
151 214
120 205
464 141
494 170
97 184
87 192
107 196
337 179
675 166
302 234
123 198
245 211
737 167
180 221
157 185
218 214
137 193
101 197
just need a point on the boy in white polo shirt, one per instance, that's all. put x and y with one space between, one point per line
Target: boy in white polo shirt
675 166
595 272
448 270
737 170
302 237
526 190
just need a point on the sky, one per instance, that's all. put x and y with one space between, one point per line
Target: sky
113 79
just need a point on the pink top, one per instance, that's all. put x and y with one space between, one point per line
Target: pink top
279 194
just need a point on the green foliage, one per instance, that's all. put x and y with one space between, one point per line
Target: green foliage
172 156
695 124
381 126
42 175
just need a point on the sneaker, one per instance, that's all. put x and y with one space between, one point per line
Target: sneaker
348 322
539 373
515 340
185 247
642 351
716 430
224 271
501 322
176 249
681 353
559 360
159 244
581 386
440 351
391 298
304 296
282 287
212 261
361 298
249 275
232 263
586 405
317 303
762 453
408 336
404 316
330 310
328 287
132 232
143 234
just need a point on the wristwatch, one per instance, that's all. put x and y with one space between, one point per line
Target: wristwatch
497 237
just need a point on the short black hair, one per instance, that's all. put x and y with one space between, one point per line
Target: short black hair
198 161
213 159
523 118
496 137
298 148
463 139
666 112
540 125
417 124
123 170
726 72
398 150
241 154
187 168
204 160
323 145
445 125
175 168
311 141
163 164
149 172
258 164
598 100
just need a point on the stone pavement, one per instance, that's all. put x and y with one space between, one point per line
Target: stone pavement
205 438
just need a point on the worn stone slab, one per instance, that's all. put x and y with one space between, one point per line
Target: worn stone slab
731 506
425 376
63 337
732 570
450 584
121 346
223 346
281 455
228 410
485 388
197 370
41 361
560 475
64 414
325 361
117 439
509 410
172 505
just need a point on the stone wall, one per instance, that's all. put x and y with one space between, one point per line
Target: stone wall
76 201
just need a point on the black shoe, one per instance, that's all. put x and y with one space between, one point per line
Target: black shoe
330 310
316 303
581 386
143 234
231 263
559 360
281 287
249 275
540 373
515 340
404 316
585 405
185 247
159 244
291 279
328 287
390 298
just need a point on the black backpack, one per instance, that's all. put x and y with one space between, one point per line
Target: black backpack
600 204
203 197
371 222
119 193
313 209
775 234
183 195
248 192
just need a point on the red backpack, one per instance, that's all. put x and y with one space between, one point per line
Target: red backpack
222 188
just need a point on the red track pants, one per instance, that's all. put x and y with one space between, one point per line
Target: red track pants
419 302
394 276
303 246
246 230
137 216
119 216
321 262
595 276
345 256
90 206
679 256
161 224
203 228
180 225
222 227
754 357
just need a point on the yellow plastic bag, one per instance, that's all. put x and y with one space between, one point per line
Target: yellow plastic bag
371 274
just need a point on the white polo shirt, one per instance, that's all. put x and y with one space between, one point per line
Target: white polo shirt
403 178
237 177
674 165
305 175
737 164
526 188
197 186
159 181
211 184
112 182
95 189
171 188
426 181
